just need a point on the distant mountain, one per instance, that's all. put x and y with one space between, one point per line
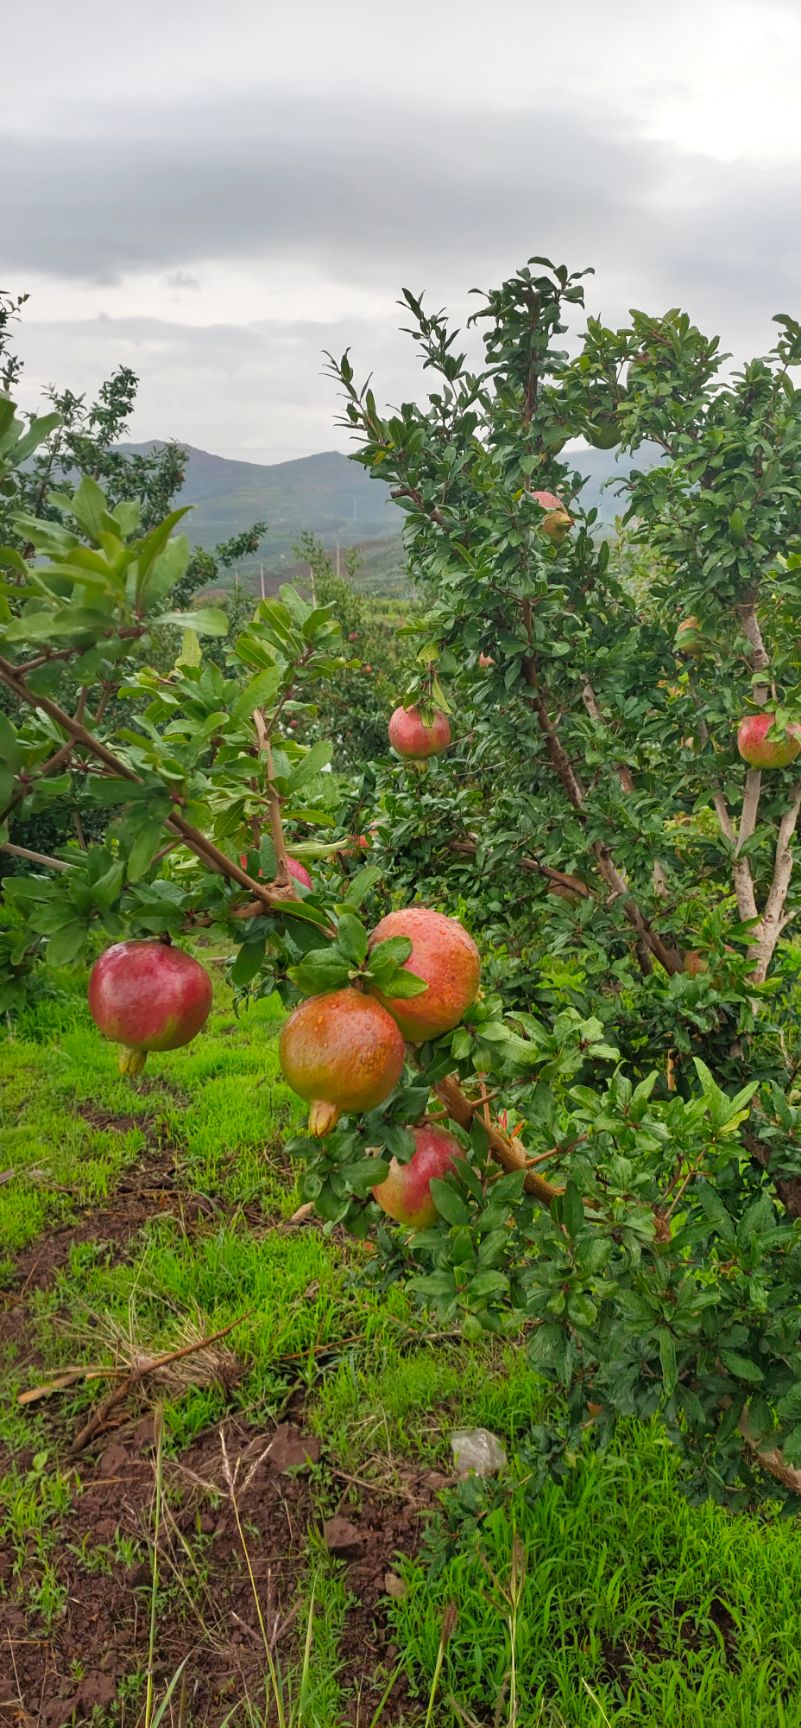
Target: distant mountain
327 494
334 498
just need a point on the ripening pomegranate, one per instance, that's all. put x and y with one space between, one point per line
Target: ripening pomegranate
445 957
413 738
761 751
148 996
602 433
557 520
485 660
687 637
405 1193
341 1051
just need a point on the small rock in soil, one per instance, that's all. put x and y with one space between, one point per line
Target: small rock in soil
342 1538
291 1450
394 1586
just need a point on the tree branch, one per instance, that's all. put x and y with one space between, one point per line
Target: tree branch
772 922
34 857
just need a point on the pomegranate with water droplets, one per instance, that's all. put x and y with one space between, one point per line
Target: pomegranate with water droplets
405 1193
341 1051
447 960
759 750
414 738
148 996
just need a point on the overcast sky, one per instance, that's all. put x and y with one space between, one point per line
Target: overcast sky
213 191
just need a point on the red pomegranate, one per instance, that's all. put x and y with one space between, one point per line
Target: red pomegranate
761 751
445 957
341 1051
557 520
148 996
413 738
405 1193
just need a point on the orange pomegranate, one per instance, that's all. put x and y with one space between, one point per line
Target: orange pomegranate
340 1051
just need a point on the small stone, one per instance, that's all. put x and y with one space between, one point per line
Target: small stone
291 1450
394 1586
342 1538
477 1452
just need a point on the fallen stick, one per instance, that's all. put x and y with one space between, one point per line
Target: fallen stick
100 1416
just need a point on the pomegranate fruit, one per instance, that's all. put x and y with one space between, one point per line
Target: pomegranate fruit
557 520
148 996
448 961
687 637
405 1193
341 1051
413 738
761 751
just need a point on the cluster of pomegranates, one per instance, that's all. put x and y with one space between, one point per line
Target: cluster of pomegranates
344 1050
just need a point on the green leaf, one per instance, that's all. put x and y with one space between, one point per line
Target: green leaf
391 953
488 1283
247 963
742 1367
400 986
66 944
323 969
315 760
10 753
398 1141
352 939
362 884
667 1357
145 845
449 1203
259 692
572 1209
204 620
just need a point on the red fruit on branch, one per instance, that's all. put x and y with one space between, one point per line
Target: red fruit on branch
413 738
405 1193
148 996
448 961
485 660
761 751
341 1051
557 520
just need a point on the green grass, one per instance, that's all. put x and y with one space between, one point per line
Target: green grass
629 1605
607 1600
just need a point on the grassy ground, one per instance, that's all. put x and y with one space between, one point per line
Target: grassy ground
169 1565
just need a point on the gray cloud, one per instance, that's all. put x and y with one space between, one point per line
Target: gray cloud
366 192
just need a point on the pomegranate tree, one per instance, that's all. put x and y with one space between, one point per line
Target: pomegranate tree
148 996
